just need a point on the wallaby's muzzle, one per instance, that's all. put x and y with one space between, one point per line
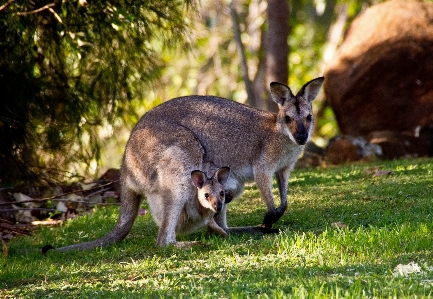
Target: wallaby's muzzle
301 134
219 206
301 139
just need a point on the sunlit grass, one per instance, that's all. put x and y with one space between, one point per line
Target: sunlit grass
383 221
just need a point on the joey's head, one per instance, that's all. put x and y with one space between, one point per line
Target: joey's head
295 115
211 193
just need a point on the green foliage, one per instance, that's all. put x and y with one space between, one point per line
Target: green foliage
69 69
73 73
388 222
212 65
311 27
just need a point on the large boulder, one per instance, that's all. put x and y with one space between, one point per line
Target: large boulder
381 78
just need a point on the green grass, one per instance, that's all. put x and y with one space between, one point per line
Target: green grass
389 222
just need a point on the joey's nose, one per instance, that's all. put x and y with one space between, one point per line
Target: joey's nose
219 206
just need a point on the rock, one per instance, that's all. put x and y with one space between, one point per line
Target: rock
309 160
344 148
26 201
5 213
313 156
61 207
88 186
400 144
48 191
380 78
23 216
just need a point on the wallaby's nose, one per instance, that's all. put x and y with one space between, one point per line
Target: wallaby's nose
301 139
219 206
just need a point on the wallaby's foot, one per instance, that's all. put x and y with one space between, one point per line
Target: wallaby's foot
272 217
266 230
268 220
252 230
278 213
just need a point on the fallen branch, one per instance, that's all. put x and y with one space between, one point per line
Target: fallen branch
55 196
96 192
55 210
27 209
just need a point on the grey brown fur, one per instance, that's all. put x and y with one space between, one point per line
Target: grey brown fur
179 136
210 200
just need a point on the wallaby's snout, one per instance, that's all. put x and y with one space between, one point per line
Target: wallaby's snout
211 196
302 139
301 134
219 203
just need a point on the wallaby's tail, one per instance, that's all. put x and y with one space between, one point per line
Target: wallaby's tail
128 212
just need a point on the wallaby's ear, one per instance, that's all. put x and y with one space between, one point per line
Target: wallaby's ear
311 89
280 93
198 178
222 174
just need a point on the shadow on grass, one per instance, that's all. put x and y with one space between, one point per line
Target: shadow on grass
317 199
287 277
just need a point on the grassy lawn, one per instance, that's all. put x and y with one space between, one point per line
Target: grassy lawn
343 236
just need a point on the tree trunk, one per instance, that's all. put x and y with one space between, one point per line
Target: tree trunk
277 47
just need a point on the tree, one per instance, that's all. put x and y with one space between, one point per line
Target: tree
68 69
277 47
300 31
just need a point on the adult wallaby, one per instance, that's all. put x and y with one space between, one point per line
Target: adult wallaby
175 138
255 144
165 170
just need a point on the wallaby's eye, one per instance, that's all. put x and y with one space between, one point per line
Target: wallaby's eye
222 193
309 117
288 119
206 195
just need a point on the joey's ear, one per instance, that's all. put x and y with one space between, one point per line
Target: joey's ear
198 178
222 174
280 93
311 89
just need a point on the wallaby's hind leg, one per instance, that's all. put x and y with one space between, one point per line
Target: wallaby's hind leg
173 204
282 180
264 184
167 229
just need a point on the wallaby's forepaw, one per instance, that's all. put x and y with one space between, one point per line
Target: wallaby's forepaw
217 231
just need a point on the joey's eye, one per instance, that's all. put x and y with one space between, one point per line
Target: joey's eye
288 119
309 117
222 193
206 195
